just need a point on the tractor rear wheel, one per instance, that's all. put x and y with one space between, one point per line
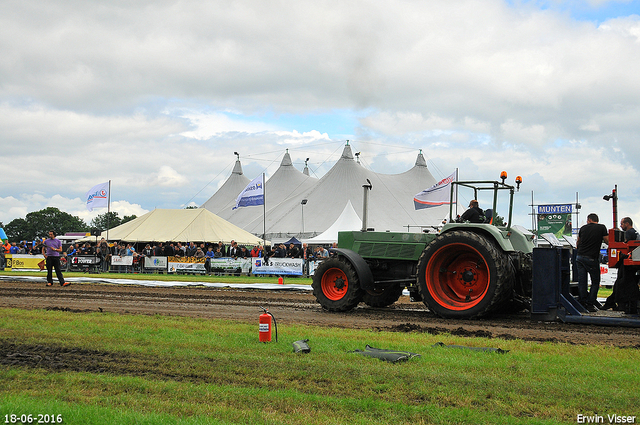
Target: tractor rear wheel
462 274
382 297
336 286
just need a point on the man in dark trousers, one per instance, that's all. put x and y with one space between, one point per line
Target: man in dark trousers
590 238
474 214
51 251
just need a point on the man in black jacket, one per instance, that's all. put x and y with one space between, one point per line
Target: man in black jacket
590 238
474 214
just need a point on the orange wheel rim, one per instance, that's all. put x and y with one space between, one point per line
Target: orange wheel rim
334 284
457 276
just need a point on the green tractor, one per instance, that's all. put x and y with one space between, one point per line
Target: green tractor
466 270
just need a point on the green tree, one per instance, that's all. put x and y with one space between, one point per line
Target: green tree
38 224
127 218
109 220
17 230
105 221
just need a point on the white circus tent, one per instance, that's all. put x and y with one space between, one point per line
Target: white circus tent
181 225
348 220
390 200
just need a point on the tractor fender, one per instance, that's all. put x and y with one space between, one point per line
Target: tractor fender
365 277
498 235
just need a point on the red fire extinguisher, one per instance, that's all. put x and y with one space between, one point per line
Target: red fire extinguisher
265 326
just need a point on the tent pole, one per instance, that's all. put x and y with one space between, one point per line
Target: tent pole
456 192
108 210
264 213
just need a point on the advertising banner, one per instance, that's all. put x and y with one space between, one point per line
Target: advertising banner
555 219
227 265
278 266
23 262
159 263
117 260
185 265
84 260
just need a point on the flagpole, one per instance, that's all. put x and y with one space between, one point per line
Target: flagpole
264 213
457 192
108 209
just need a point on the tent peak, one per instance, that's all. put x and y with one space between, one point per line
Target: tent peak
286 160
346 153
306 167
420 161
237 169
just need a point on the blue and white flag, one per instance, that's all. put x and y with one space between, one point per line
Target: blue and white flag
98 196
253 194
437 195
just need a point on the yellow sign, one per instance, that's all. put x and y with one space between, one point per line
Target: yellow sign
23 262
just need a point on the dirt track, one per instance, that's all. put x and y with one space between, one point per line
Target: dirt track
297 307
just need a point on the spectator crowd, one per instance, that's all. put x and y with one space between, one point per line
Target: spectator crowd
105 250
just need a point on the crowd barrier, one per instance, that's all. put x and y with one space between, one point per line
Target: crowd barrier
178 265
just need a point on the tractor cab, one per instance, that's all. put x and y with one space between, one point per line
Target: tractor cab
478 187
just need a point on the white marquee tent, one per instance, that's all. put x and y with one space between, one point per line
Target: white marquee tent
348 220
181 225
390 200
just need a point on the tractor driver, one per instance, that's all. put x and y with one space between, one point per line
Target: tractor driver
474 214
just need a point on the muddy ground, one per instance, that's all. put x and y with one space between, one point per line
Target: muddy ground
299 307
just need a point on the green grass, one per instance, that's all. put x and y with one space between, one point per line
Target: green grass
166 370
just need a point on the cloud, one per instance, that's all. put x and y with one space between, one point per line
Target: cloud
164 177
156 96
208 125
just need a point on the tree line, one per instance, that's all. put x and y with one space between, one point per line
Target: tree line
38 223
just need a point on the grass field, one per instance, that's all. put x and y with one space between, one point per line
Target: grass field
101 368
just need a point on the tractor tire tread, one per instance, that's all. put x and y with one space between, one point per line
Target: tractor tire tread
505 273
354 293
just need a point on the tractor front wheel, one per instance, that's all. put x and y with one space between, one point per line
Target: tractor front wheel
335 285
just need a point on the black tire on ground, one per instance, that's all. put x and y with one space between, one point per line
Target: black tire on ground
336 286
462 274
383 297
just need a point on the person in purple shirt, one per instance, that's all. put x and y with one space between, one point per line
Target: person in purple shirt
51 251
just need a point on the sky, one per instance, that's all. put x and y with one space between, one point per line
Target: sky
156 96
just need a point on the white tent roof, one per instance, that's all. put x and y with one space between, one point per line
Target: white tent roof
390 201
180 225
287 182
348 220
225 198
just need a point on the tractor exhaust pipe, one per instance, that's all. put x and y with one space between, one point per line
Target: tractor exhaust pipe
614 203
365 204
